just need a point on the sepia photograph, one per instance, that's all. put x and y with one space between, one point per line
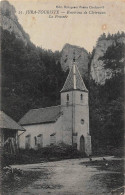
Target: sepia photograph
62 97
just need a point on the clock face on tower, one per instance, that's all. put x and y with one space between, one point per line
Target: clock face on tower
82 121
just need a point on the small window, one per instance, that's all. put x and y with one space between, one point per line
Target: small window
81 97
67 97
40 141
27 141
82 121
53 139
35 140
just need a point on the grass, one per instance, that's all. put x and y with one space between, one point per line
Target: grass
114 177
15 182
112 165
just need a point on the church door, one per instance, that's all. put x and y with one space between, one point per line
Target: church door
82 144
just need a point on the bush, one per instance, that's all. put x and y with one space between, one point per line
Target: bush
49 153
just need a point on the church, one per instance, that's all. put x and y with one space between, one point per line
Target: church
67 123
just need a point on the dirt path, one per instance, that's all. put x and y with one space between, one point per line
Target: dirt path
67 177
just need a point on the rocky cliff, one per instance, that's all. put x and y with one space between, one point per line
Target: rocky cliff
97 70
10 22
81 56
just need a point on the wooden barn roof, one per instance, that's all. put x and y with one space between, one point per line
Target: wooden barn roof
7 122
41 115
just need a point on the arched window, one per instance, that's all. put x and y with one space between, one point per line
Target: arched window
81 96
67 97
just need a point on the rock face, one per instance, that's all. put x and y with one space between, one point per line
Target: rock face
81 56
97 71
10 22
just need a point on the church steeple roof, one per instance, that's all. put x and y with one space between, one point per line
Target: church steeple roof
74 80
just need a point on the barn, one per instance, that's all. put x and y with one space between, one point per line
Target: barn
9 133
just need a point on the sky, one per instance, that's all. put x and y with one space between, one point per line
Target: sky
77 29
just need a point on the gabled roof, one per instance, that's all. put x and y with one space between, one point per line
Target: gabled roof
74 80
41 115
8 123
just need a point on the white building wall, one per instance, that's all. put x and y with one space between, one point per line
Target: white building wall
73 112
45 129
67 124
82 113
77 97
67 116
69 121
64 98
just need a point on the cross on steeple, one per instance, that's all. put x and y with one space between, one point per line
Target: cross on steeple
74 80
74 56
74 72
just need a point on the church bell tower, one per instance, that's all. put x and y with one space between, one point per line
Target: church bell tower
75 109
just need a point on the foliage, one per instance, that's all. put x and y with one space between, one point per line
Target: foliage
109 36
13 179
48 153
31 77
107 101
114 58
107 113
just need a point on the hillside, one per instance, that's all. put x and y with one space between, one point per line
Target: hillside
81 56
10 22
98 72
107 93
32 77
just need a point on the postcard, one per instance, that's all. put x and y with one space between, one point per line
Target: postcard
62 97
